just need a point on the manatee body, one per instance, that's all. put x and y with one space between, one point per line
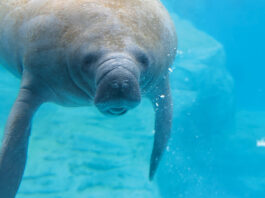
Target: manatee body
108 53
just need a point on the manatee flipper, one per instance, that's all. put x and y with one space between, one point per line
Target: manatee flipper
15 142
162 103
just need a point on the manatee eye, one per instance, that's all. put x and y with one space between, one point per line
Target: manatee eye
89 60
142 58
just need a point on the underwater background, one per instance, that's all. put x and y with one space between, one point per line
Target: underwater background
217 146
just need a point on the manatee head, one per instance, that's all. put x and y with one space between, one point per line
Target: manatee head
121 55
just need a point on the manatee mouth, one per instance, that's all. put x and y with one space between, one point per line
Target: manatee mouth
114 108
117 111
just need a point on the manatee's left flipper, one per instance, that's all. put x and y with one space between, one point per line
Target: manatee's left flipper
15 142
162 103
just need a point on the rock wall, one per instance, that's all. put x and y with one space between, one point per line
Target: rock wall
203 110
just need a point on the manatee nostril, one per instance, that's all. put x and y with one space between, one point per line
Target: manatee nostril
125 84
115 84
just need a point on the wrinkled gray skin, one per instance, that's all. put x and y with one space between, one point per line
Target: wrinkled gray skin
78 53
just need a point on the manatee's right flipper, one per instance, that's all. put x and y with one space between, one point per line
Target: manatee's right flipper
15 142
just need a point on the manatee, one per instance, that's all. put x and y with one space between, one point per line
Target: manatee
107 53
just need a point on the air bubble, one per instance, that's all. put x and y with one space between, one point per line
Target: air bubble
167 148
179 52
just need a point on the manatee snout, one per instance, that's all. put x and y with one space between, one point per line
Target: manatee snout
117 86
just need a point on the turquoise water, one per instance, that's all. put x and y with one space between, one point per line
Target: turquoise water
217 148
